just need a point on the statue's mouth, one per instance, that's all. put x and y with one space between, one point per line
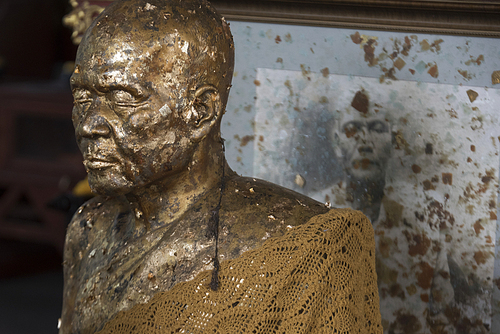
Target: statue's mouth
95 163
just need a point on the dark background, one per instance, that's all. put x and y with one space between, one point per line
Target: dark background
39 161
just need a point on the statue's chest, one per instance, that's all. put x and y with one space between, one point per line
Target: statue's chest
116 277
115 274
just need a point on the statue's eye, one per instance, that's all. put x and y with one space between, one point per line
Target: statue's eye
82 98
124 98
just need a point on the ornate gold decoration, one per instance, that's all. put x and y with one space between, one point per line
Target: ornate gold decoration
80 18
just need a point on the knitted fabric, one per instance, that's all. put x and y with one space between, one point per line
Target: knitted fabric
317 278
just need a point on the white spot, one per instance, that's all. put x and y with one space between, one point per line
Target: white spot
165 110
170 137
149 6
299 180
184 48
120 56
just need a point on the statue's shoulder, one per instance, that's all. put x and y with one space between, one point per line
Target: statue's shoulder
254 210
93 219
259 197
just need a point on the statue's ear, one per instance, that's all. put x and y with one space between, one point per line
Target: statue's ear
204 112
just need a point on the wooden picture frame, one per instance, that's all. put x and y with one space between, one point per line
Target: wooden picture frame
455 17
476 18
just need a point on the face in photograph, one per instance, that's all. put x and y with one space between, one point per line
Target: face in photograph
363 139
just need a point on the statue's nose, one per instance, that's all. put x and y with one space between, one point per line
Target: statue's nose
95 125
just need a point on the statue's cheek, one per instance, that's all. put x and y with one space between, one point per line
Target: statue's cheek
143 119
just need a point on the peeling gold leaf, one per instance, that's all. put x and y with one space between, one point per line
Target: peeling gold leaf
399 63
425 45
495 77
472 95
433 71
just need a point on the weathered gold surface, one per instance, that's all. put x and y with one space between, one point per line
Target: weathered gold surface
150 85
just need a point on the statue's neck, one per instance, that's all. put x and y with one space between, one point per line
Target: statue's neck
165 201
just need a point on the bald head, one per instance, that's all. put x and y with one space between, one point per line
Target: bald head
185 42
150 85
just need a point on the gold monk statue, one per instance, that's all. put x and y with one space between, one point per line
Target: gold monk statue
176 241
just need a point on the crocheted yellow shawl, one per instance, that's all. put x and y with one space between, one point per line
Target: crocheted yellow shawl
317 278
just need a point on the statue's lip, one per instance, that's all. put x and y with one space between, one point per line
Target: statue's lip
98 163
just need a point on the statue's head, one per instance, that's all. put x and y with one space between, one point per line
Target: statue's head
363 139
150 84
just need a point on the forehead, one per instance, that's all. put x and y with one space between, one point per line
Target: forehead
114 52
110 64
107 63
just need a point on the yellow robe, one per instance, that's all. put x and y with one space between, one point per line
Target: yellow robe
318 278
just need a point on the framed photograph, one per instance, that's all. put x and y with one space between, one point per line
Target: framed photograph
391 108
419 159
397 121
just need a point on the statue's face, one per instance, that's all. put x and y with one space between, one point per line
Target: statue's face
365 145
127 115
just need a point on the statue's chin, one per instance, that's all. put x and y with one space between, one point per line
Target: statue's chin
109 185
